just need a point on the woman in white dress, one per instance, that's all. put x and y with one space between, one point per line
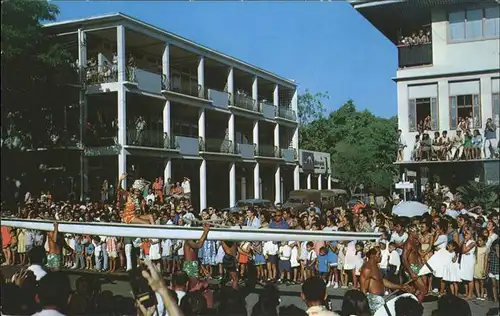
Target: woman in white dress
219 257
155 252
351 260
467 263
451 271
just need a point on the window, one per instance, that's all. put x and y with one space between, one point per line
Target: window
496 109
421 108
474 24
465 107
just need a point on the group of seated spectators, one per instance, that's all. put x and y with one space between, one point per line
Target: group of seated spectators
108 72
423 36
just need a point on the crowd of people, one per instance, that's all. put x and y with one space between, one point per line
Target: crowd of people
457 243
466 144
423 36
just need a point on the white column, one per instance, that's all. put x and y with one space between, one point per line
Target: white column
167 172
277 185
255 88
165 63
276 95
82 63
295 101
82 48
232 184
296 178
122 132
201 76
320 182
256 181
201 124
295 138
243 188
230 85
203 184
120 44
84 179
167 127
329 184
256 133
309 181
230 129
277 136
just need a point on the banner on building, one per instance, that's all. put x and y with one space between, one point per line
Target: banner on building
314 162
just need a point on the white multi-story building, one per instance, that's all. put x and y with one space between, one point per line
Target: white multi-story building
453 74
155 104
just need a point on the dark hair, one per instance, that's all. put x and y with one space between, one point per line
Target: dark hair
449 304
54 289
407 306
180 279
193 304
37 255
314 290
355 303
232 302
269 299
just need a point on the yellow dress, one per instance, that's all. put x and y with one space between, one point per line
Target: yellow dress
479 271
21 241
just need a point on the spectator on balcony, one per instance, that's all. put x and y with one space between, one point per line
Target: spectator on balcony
416 148
436 145
457 145
425 147
114 68
114 127
477 144
462 124
131 68
106 72
176 191
468 145
490 140
105 192
422 37
140 124
445 145
167 188
186 188
158 188
401 145
427 123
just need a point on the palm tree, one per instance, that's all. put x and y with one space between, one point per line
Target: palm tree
479 193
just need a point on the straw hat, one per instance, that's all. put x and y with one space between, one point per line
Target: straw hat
139 184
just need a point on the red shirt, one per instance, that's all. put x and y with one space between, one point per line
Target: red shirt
6 238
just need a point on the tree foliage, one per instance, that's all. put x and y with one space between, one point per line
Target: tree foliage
36 68
362 146
479 193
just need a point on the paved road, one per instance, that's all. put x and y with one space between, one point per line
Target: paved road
118 284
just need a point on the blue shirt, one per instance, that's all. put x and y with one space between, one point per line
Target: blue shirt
282 224
332 255
78 247
89 249
323 263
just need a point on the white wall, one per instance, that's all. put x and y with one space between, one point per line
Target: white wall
453 57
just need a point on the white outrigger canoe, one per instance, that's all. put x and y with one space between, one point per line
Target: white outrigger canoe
184 233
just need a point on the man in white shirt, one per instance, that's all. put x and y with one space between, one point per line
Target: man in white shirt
186 187
314 295
36 256
399 237
252 219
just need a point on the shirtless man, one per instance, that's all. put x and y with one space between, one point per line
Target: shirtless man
413 262
229 262
372 283
190 265
56 244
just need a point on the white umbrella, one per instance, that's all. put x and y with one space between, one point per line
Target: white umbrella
410 209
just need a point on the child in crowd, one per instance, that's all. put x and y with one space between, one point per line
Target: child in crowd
145 249
258 259
79 254
166 255
270 253
112 250
294 260
322 264
493 268
360 255
89 252
341 261
480 267
333 263
311 260
155 252
451 270
285 267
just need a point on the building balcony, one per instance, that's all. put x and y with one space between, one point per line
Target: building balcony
246 151
414 55
286 113
288 154
217 145
187 88
219 99
264 150
245 102
268 110
152 139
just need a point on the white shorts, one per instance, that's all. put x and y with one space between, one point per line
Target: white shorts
494 276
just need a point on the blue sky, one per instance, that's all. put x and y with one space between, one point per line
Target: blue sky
323 46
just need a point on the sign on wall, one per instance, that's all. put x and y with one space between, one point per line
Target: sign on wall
314 162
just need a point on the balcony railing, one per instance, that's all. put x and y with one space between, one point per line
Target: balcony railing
106 74
288 154
267 151
192 89
286 113
155 139
245 102
415 55
217 145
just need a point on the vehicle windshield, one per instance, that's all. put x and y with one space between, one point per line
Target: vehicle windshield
295 200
